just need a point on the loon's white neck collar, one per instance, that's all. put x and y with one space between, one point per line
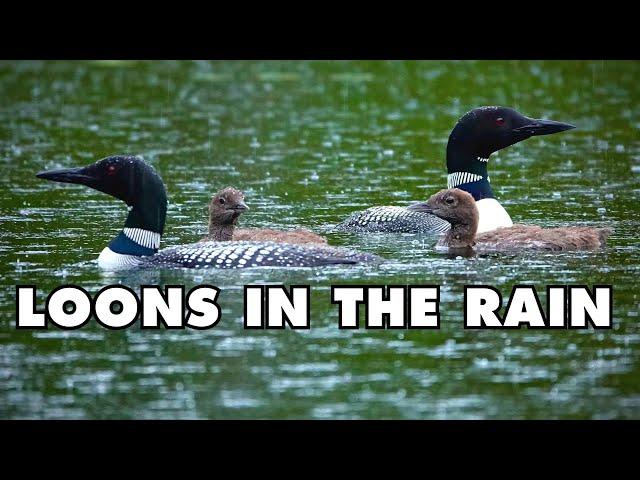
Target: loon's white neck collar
136 240
474 179
128 248
467 169
145 238
459 178
476 184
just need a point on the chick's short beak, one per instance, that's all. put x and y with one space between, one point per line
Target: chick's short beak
422 207
240 207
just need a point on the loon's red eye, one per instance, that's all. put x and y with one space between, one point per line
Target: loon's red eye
499 121
111 169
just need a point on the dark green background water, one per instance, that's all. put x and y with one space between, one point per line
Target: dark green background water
310 142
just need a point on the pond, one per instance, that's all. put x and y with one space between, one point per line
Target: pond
309 143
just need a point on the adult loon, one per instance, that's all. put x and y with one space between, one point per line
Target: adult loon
225 209
460 210
477 135
131 180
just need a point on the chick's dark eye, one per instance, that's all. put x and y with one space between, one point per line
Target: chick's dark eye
499 121
222 202
449 200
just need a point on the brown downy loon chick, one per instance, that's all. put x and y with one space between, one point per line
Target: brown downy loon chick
225 208
459 209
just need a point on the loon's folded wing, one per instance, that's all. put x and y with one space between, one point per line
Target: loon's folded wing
393 220
253 254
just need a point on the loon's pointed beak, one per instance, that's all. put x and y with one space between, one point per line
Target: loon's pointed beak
543 127
422 207
67 175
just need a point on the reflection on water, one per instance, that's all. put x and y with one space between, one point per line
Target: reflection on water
310 142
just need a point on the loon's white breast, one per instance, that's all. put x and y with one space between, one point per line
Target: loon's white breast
110 260
492 215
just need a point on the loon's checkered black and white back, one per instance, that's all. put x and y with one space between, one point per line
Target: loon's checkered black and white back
253 254
392 220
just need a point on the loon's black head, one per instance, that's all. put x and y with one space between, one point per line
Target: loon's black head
124 177
481 132
485 130
127 178
226 206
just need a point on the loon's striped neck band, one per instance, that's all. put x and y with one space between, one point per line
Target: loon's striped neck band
143 237
467 170
458 178
477 185
136 241
142 230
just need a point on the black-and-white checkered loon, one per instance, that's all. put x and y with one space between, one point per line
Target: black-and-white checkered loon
131 180
477 135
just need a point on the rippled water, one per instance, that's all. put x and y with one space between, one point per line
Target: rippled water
310 142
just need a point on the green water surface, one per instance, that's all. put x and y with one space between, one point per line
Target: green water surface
310 142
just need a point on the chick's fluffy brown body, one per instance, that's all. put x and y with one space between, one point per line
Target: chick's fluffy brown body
225 208
299 236
538 238
458 208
